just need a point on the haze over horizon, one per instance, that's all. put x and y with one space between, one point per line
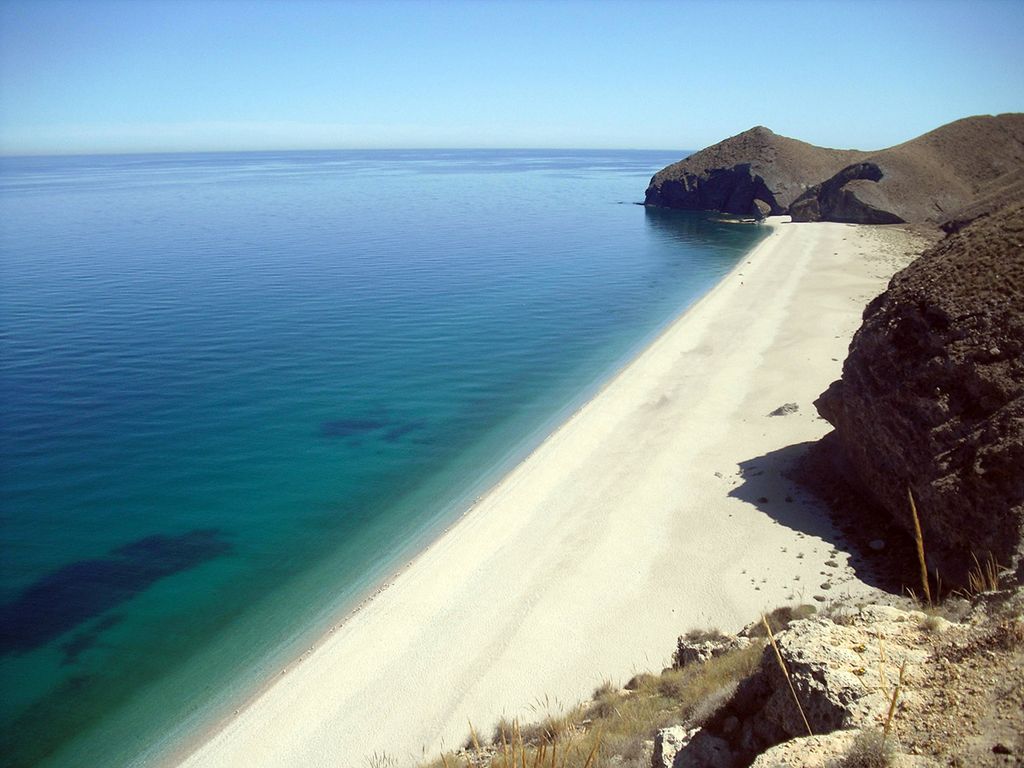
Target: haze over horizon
111 76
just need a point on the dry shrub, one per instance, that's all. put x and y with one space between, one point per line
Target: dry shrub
870 749
781 618
704 635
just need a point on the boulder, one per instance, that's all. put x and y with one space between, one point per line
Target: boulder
668 742
833 669
696 648
932 397
825 752
843 673
680 747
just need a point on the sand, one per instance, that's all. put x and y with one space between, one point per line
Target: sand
658 507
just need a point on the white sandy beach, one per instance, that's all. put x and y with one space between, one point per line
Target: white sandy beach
658 507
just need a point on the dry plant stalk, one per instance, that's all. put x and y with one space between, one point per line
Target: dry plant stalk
593 751
882 677
919 542
785 672
892 703
472 735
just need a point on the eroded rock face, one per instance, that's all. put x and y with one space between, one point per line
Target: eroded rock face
755 173
828 664
843 674
730 190
840 199
932 396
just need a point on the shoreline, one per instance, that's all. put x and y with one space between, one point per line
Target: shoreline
178 747
493 612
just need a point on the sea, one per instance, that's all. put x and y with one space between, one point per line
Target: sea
238 390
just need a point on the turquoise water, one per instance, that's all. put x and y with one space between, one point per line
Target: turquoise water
239 389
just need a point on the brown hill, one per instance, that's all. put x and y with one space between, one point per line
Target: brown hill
755 165
926 180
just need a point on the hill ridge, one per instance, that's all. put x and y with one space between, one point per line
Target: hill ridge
928 179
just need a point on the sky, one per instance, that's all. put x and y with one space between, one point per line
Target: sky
109 76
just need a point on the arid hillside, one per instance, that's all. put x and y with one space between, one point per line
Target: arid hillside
927 180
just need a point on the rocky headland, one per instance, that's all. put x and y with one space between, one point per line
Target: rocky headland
922 181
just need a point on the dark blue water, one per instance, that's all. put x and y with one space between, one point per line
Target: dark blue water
238 389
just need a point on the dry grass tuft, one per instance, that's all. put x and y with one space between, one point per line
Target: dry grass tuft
553 727
381 760
983 578
704 635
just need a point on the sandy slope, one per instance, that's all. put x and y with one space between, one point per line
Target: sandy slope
658 507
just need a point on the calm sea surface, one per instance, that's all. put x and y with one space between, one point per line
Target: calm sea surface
236 390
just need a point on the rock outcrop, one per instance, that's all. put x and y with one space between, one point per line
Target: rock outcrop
843 670
827 751
849 196
679 747
696 648
932 396
926 180
755 173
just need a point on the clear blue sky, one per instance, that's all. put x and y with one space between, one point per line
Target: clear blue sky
156 75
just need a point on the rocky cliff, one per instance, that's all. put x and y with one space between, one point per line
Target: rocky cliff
932 396
756 172
924 180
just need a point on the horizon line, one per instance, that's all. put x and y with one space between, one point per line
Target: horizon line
138 153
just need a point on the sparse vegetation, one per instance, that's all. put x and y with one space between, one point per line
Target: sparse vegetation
781 618
381 760
614 728
932 622
870 749
704 635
